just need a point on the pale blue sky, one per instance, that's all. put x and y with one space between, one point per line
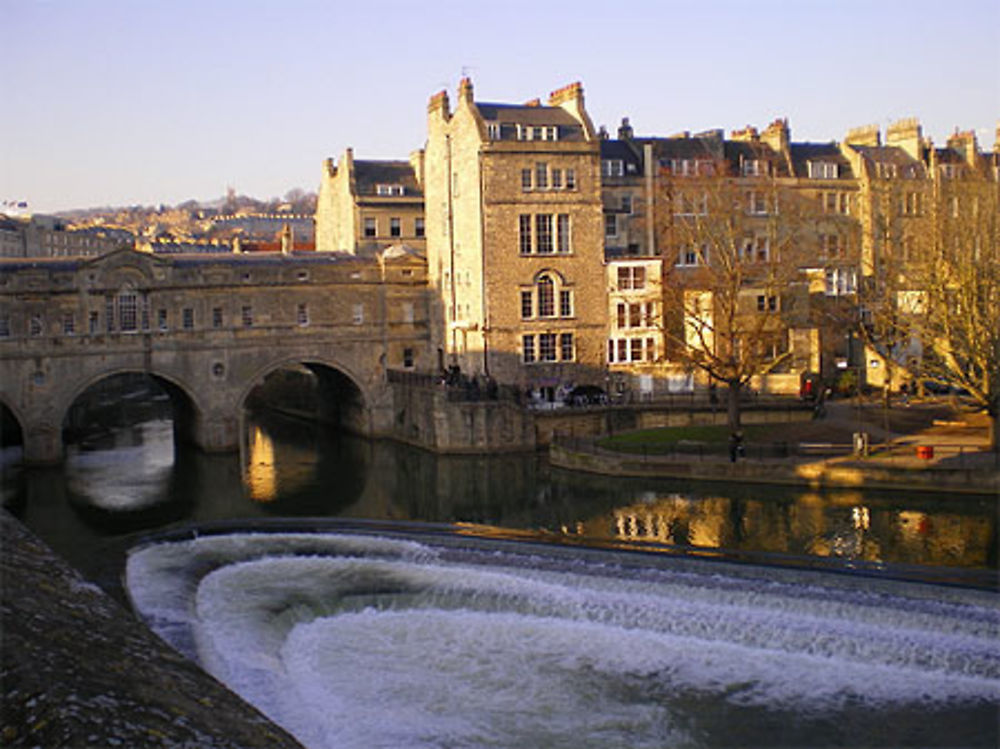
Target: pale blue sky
116 102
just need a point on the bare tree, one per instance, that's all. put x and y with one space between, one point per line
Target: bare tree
959 277
732 249
889 298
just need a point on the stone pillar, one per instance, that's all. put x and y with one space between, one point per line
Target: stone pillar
216 432
43 444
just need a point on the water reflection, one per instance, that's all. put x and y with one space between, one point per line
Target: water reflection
128 469
292 468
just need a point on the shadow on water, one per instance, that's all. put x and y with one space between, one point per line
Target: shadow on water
140 480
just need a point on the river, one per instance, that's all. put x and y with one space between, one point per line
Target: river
724 632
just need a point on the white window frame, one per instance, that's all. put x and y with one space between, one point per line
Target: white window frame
823 169
612 168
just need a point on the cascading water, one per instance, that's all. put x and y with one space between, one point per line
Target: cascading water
386 641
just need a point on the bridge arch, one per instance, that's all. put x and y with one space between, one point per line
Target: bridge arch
188 411
342 398
12 424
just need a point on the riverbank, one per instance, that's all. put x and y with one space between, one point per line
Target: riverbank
78 670
959 464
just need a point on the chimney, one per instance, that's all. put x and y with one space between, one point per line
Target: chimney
569 94
417 164
465 90
966 144
570 98
439 102
625 131
866 135
331 169
746 135
906 134
777 135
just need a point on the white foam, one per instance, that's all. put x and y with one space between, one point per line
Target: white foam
330 634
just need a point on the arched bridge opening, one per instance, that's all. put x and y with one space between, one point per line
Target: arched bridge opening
114 408
313 391
11 433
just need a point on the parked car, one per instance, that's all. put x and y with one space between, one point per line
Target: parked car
586 395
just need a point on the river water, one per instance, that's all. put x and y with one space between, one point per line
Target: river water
448 615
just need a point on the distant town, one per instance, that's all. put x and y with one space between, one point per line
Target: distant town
190 226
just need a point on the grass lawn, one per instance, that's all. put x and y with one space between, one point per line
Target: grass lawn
665 439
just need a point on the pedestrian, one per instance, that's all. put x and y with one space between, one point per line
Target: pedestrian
736 446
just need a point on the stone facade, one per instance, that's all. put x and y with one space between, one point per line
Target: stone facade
514 239
365 206
48 236
208 328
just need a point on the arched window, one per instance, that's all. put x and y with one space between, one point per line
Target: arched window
128 310
546 297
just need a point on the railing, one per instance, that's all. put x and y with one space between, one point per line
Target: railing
456 388
950 455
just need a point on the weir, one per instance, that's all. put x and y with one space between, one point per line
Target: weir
383 638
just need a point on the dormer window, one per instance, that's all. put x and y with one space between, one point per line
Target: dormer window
753 168
887 171
822 169
389 190
612 168
537 132
493 130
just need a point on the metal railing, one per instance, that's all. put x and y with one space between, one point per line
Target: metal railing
948 455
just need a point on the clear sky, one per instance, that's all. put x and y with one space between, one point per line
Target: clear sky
119 102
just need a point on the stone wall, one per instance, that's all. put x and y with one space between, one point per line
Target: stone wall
79 670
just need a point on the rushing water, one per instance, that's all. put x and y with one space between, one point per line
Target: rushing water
379 641
466 635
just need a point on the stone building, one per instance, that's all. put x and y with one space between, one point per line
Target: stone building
365 206
49 236
515 239
552 249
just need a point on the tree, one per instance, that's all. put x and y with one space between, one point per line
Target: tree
889 297
959 278
733 247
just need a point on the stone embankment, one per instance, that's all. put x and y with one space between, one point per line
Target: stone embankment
817 473
78 670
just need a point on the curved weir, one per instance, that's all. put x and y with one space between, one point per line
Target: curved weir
350 639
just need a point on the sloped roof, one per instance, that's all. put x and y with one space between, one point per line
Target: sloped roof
909 166
684 148
526 115
802 153
509 115
368 174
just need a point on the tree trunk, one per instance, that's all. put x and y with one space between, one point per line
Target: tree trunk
733 406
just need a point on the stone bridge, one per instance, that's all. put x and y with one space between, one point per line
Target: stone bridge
209 328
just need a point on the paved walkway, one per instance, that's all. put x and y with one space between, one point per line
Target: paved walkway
79 671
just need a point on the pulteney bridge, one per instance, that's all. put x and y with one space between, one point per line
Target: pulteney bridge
208 328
